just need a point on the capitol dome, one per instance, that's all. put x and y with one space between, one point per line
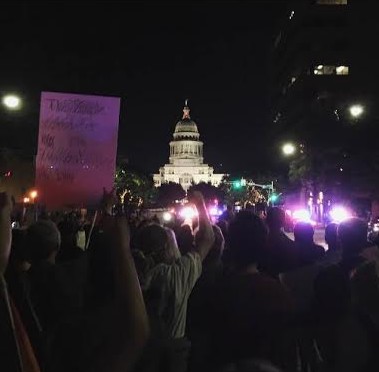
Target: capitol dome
186 163
186 127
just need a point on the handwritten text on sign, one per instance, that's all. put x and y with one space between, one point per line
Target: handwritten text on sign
77 147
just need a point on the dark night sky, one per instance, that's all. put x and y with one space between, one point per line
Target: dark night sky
152 55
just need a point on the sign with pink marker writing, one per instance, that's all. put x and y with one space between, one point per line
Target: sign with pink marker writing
77 147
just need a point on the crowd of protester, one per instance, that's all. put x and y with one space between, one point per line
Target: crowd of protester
139 295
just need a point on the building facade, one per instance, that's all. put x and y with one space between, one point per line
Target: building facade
312 70
186 162
322 65
324 93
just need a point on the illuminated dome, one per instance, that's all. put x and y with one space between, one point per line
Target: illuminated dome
186 127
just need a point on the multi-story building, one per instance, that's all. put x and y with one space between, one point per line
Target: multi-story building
323 70
324 93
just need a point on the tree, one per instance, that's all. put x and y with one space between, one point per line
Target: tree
244 193
133 188
167 193
209 191
338 172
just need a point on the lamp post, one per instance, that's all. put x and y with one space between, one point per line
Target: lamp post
356 111
288 149
11 102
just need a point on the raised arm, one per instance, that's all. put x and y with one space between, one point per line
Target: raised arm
205 237
5 230
127 323
129 295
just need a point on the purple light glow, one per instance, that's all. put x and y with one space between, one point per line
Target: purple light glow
214 211
303 215
188 213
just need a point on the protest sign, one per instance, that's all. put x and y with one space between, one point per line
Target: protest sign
77 145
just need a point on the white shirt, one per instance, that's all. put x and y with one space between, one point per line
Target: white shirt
174 283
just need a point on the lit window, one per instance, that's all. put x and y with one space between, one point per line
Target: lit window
332 2
324 70
342 70
319 70
277 117
292 81
331 70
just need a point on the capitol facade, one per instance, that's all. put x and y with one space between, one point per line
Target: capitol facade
186 163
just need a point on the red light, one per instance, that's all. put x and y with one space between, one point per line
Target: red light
8 174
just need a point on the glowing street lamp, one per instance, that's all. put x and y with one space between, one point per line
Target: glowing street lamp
288 149
356 111
11 102
33 194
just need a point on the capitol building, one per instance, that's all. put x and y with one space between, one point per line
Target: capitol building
186 163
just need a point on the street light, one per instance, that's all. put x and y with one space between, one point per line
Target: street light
356 111
288 149
33 194
11 102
